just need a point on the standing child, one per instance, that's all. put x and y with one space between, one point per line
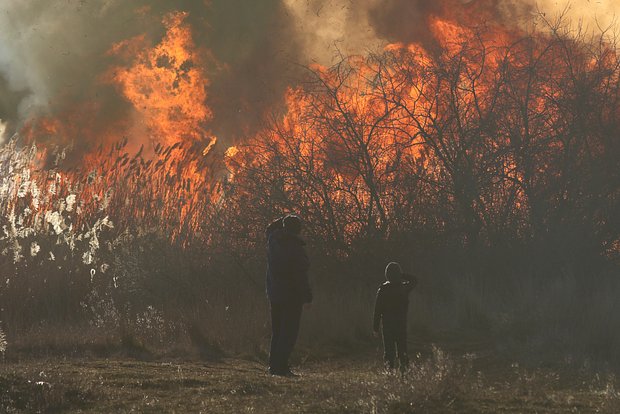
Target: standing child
391 313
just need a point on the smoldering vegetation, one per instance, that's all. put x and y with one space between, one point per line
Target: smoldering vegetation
489 170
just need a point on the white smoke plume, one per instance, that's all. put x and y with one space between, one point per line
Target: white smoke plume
51 52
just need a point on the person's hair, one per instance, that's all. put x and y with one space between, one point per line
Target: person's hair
292 224
393 272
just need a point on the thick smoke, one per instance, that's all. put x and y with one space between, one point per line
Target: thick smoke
408 20
54 52
260 48
329 27
51 52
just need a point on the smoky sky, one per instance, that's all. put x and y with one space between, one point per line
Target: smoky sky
54 52
407 21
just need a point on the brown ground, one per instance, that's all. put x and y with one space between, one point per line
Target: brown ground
437 383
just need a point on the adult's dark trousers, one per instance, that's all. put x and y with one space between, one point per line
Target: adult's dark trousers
285 317
395 342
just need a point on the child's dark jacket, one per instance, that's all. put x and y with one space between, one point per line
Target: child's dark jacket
392 305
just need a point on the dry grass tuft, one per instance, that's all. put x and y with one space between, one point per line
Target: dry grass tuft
2 342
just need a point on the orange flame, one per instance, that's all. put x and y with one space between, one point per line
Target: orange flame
166 84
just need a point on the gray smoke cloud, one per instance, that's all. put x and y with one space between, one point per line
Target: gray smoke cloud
357 26
408 20
53 52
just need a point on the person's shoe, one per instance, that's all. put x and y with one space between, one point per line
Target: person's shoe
282 373
290 374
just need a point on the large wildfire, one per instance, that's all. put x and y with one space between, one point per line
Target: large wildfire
145 145
428 100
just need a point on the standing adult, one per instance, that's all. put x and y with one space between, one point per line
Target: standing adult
288 289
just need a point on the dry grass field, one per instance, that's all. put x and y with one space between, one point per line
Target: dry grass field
437 382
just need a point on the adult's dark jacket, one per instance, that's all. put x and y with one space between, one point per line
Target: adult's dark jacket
287 268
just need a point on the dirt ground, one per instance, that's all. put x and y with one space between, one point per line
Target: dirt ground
435 383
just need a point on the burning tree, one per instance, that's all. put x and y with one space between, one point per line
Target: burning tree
482 141
491 163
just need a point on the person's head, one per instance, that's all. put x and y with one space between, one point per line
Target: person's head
273 226
393 272
292 224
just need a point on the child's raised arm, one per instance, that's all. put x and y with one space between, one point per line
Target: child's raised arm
410 280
